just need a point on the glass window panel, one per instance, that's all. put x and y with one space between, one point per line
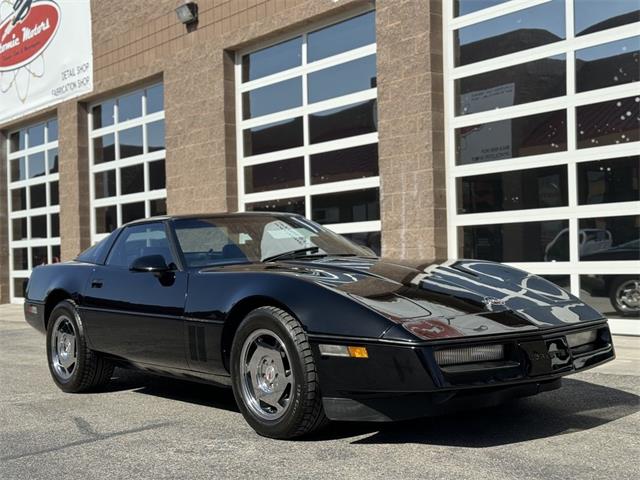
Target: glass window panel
20 287
105 184
140 240
516 242
609 181
341 37
612 295
21 259
106 219
343 79
157 176
609 238
596 15
53 160
132 179
354 206
462 7
103 115
155 136
19 229
38 194
39 256
52 130
155 98
55 225
272 98
55 254
273 137
18 169
515 190
521 30
368 239
347 164
37 166
158 207
516 137
289 205
351 120
39 226
608 123
274 175
614 63
35 135
524 83
17 141
130 106
54 194
130 142
18 199
104 149
270 60
132 211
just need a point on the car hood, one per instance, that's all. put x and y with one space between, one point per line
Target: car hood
459 298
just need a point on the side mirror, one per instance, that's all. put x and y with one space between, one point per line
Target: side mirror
150 263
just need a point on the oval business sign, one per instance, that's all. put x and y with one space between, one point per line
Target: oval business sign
22 42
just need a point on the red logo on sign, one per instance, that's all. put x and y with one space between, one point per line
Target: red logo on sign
22 42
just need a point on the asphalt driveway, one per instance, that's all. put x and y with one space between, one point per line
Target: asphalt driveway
151 427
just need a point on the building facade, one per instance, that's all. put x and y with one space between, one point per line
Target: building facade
488 129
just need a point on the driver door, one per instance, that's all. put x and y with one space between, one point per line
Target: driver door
137 315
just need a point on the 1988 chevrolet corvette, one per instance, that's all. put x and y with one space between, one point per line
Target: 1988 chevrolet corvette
304 325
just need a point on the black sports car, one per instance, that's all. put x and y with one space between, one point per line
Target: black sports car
304 325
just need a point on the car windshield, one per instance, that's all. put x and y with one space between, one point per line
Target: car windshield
257 238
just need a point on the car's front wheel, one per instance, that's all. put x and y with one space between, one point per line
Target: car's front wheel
274 376
73 366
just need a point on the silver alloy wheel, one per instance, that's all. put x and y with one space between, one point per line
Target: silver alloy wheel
63 347
267 377
628 296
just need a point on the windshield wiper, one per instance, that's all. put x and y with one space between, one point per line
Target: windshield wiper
291 254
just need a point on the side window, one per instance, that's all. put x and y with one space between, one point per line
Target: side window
139 241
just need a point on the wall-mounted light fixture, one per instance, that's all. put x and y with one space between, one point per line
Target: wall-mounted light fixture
187 12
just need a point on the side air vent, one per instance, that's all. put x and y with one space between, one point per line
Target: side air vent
197 348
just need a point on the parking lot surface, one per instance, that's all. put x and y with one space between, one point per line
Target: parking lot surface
151 427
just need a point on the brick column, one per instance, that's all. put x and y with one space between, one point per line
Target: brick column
197 161
4 222
74 179
411 129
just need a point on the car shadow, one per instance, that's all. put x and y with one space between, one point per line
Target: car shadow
577 406
171 388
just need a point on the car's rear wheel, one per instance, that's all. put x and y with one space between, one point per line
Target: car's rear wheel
274 376
73 366
625 295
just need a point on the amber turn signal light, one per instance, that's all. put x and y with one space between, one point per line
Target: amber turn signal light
358 352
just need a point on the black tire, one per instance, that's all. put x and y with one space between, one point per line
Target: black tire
614 295
90 370
304 413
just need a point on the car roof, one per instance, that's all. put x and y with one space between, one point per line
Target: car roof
162 218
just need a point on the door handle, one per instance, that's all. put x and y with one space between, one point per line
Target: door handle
96 283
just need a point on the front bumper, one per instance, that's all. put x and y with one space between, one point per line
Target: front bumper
402 381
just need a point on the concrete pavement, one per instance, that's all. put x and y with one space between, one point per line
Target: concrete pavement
150 427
